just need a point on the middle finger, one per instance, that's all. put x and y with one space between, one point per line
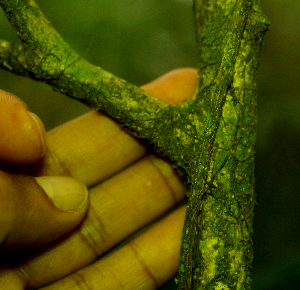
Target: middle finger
90 148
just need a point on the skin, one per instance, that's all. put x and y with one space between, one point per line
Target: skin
129 188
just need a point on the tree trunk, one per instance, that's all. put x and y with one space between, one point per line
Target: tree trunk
209 139
216 251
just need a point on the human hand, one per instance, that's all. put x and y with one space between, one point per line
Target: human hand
129 189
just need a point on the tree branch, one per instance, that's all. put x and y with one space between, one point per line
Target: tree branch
45 56
210 139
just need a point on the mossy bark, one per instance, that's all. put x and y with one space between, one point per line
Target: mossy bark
216 250
210 139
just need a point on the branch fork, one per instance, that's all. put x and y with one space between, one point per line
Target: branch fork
209 139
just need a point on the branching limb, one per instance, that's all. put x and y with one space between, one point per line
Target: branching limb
210 139
45 56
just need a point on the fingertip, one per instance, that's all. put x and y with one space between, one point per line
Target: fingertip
22 134
175 86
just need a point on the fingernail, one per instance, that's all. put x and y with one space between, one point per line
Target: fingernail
66 193
40 131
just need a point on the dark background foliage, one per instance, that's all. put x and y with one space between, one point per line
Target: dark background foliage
139 40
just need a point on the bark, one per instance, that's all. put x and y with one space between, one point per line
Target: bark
210 139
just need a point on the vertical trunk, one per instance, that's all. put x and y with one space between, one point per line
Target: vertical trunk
216 249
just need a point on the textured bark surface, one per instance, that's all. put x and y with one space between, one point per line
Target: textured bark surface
209 139
216 250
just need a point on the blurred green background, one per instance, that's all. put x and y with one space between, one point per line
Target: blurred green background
139 40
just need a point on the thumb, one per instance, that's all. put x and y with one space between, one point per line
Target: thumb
36 211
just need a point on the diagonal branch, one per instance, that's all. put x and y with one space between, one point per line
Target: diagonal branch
45 56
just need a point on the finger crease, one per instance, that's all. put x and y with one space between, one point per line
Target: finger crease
94 234
80 281
144 265
24 276
165 179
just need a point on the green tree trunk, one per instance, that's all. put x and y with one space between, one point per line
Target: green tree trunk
210 139
216 251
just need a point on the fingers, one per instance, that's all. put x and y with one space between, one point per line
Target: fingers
22 134
119 207
146 262
93 148
37 211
